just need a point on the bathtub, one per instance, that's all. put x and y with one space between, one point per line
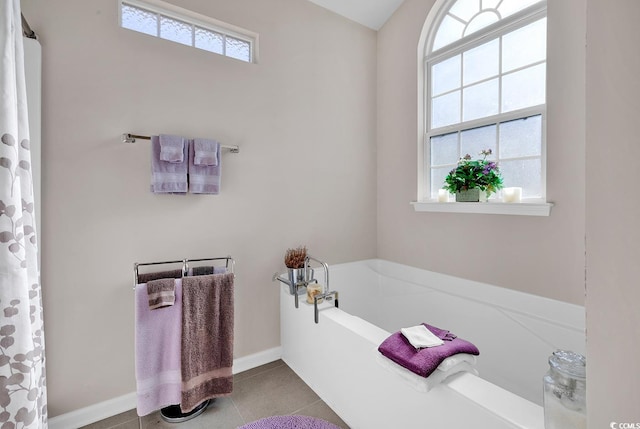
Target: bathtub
338 357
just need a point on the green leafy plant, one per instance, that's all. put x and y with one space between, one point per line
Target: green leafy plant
474 173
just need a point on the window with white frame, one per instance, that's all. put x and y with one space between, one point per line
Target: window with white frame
485 88
163 20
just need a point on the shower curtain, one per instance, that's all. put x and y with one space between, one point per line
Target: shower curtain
22 373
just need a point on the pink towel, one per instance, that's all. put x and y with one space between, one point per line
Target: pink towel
157 344
207 338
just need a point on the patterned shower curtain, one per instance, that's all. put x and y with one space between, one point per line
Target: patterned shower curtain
23 395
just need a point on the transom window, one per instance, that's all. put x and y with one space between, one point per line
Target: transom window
485 69
159 19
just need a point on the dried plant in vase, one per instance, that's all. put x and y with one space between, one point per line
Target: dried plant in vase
294 258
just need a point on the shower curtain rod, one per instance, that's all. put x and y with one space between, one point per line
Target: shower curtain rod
26 29
131 138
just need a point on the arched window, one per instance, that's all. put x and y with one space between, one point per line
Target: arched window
485 88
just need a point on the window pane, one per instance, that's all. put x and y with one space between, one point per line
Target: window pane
449 31
437 179
485 19
445 110
480 100
524 46
177 31
482 62
444 149
465 9
509 7
489 4
209 40
476 140
140 20
522 137
524 88
526 174
445 75
238 49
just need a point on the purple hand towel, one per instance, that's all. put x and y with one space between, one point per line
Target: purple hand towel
167 177
205 152
203 179
207 338
157 344
171 148
440 333
424 361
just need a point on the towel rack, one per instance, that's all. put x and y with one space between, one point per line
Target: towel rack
230 265
131 138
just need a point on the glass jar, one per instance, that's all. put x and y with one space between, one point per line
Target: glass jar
565 388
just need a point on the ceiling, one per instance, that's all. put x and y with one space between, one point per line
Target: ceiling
371 13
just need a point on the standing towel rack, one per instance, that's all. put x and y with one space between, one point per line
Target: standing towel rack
230 265
131 138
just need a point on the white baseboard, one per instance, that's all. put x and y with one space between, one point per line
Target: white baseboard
114 406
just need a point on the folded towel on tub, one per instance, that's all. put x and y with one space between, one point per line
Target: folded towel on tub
455 364
171 148
204 179
157 348
205 152
167 177
207 338
423 361
161 293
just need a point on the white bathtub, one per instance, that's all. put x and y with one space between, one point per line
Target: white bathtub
515 332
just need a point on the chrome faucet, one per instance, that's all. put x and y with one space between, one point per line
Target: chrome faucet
299 279
324 266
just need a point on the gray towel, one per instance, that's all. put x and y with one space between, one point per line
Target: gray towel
161 293
167 177
147 277
207 338
206 270
203 179
171 148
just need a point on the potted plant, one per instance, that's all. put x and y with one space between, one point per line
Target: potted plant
294 261
474 180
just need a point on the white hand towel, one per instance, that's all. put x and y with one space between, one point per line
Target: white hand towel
420 337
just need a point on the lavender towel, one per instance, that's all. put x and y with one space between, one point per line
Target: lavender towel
157 344
203 179
424 361
167 177
207 338
171 148
290 422
161 293
205 152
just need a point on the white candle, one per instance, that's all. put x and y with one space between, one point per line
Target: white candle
512 195
443 196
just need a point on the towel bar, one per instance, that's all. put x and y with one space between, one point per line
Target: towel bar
230 265
131 138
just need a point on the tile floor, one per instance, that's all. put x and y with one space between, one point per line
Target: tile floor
271 389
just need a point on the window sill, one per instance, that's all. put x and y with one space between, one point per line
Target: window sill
500 208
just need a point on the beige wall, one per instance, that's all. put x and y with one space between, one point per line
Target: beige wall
613 234
304 118
539 255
